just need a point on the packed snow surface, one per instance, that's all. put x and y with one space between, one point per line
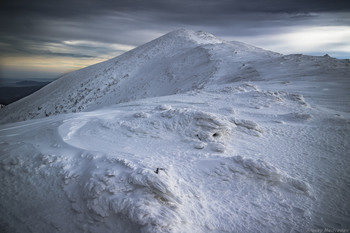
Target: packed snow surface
187 133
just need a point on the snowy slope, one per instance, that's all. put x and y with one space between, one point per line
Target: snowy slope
177 62
246 141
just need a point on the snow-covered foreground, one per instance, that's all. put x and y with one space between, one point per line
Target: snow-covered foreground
261 151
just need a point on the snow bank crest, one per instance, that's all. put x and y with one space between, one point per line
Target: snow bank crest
198 128
109 190
259 169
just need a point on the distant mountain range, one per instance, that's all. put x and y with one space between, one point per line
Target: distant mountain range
31 83
10 93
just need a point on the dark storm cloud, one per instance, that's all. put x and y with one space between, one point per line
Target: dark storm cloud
23 15
25 25
69 8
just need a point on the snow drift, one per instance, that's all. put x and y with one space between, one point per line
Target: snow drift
242 139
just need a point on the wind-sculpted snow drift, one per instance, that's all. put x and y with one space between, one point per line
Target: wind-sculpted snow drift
187 133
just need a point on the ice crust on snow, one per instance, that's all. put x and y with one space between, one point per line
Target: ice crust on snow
244 140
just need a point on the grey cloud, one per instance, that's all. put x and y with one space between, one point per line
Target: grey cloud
26 24
50 53
68 8
25 14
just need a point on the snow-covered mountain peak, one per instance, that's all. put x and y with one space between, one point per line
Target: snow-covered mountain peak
199 37
178 62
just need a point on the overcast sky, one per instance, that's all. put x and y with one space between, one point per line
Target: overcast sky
44 39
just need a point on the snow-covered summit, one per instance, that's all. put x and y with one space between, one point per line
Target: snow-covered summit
181 35
177 62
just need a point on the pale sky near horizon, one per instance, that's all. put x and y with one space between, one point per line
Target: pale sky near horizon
45 39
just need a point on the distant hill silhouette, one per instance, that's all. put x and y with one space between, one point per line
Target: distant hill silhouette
10 94
31 83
